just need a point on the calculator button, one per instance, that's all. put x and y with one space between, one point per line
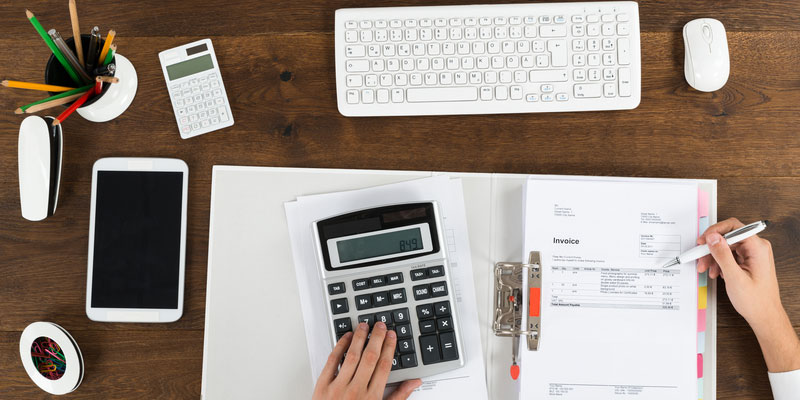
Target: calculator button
200 106
214 84
380 299
188 101
425 311
184 85
184 120
449 346
193 118
435 272
215 120
400 315
439 289
342 325
336 288
444 324
205 87
182 112
205 123
428 326
179 103
195 126
408 360
209 103
195 89
403 331
193 82
219 100
376 281
422 292
363 302
217 92
396 363
186 129
385 317
339 306
397 277
397 296
417 274
360 284
203 115
405 346
442 308
429 347
368 318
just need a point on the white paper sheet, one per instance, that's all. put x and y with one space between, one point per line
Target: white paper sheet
614 324
466 382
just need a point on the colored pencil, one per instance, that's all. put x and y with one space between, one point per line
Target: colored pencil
110 54
58 96
35 86
74 106
76 31
48 104
107 79
40 30
106 46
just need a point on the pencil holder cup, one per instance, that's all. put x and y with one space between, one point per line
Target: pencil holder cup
113 100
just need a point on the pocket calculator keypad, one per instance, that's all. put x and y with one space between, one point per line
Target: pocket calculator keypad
200 104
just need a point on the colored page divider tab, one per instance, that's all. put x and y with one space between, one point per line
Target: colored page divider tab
699 366
702 293
701 320
699 388
701 342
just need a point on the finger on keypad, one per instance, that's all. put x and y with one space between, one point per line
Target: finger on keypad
381 374
329 370
353 353
371 355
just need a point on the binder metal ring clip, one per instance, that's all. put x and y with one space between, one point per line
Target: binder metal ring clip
510 296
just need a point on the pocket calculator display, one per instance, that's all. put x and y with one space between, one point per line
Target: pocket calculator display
390 264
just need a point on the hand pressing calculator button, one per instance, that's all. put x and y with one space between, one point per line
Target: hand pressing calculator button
394 259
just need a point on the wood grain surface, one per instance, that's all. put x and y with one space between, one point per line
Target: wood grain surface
277 63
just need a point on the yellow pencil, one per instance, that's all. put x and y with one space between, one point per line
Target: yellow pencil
35 86
76 31
106 46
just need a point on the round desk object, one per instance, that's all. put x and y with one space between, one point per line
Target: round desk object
51 358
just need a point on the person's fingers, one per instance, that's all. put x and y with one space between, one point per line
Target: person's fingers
381 374
713 271
704 263
329 370
724 257
372 353
404 390
720 228
353 353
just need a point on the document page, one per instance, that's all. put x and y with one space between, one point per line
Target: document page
615 325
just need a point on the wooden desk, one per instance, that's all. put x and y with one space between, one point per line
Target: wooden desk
277 63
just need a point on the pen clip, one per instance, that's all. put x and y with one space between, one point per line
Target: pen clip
741 230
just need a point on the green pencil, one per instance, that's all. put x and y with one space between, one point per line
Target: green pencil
110 54
58 96
47 40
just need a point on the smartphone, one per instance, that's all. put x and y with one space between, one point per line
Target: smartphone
137 240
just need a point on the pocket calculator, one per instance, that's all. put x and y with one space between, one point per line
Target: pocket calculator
390 264
195 88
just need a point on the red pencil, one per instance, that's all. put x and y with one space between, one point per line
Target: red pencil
77 103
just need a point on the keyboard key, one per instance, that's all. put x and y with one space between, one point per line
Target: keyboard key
394 278
403 331
442 308
422 292
444 324
550 31
385 317
440 94
435 272
377 281
405 346
339 306
369 319
397 296
439 289
363 302
449 346
400 315
429 347
360 284
427 326
587 90
624 82
408 360
417 274
425 311
342 325
396 363
554 75
380 299
357 65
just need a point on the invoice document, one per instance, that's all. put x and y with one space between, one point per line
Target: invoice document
614 323
466 382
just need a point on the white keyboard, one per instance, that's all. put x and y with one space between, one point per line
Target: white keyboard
488 59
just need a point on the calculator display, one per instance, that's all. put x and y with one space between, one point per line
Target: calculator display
380 245
189 67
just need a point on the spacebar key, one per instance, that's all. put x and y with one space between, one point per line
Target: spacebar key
428 95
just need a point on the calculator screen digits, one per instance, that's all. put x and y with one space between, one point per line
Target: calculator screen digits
380 245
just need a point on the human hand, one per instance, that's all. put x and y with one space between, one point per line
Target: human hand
365 370
748 268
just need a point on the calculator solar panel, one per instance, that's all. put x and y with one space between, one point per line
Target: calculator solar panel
389 264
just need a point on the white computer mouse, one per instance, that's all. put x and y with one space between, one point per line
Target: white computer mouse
707 63
40 146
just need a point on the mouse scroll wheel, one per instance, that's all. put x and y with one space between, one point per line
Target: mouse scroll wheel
707 33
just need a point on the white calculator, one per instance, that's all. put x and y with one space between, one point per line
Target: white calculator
195 88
